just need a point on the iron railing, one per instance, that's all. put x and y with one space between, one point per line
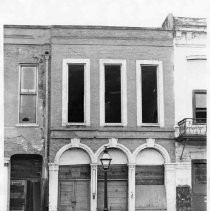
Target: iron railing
192 127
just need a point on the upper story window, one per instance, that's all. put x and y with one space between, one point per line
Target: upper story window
199 105
28 94
149 81
113 97
76 92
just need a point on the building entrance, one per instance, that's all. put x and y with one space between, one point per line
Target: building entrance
199 187
74 188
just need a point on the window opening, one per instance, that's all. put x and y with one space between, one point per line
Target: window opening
76 93
149 94
112 94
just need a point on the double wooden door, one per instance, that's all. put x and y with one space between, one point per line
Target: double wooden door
199 187
74 188
74 195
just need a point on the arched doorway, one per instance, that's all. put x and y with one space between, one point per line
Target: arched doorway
117 182
25 184
149 181
74 180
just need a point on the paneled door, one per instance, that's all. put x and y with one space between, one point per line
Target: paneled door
74 195
199 187
74 188
117 188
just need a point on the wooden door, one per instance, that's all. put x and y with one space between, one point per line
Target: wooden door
199 187
117 188
74 188
74 195
150 188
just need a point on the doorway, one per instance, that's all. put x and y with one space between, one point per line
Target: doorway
74 188
199 185
25 184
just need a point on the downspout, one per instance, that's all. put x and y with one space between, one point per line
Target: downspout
47 130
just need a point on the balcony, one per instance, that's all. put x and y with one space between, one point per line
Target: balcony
191 130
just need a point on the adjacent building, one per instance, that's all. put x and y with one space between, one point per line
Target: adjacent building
70 91
190 88
26 58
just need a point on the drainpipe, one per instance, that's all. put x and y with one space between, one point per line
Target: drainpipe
47 130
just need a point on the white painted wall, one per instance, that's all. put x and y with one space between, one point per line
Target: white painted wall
118 156
74 157
188 76
149 157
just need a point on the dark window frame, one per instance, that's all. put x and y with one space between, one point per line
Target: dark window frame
197 91
24 92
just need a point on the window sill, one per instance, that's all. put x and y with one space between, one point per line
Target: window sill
27 125
76 124
113 125
149 125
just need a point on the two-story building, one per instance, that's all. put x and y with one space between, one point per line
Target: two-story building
112 86
190 85
26 63
72 90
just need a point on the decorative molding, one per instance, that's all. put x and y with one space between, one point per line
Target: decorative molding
170 166
65 73
196 57
53 166
131 166
160 92
122 63
150 142
6 162
113 142
75 142
157 147
76 145
118 146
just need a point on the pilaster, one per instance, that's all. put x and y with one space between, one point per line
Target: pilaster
170 184
131 187
53 186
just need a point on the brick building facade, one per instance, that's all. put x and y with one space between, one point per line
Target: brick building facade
75 90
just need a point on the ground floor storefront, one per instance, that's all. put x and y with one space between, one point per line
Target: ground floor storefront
140 180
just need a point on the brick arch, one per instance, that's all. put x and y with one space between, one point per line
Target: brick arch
72 145
115 146
155 146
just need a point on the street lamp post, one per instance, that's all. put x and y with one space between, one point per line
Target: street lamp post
105 161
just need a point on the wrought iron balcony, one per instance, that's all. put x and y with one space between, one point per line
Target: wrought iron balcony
189 128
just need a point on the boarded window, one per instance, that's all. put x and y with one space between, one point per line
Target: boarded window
150 175
28 94
76 93
150 189
149 94
200 105
112 93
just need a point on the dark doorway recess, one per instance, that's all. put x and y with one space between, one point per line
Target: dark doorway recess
199 185
25 184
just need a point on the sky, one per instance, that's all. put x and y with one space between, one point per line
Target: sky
143 13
